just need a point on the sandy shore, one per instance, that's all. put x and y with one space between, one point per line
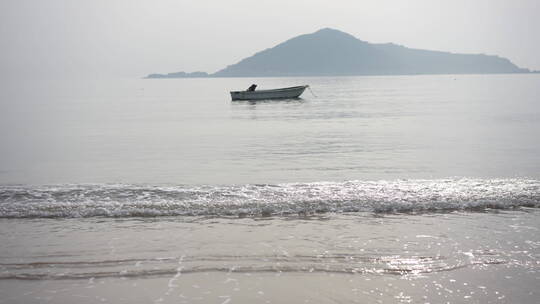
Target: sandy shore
364 258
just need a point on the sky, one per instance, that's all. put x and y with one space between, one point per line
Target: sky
131 38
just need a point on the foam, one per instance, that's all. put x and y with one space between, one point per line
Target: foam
391 196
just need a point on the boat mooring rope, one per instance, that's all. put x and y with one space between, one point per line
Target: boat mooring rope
312 92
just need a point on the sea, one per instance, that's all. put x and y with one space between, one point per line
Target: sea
368 189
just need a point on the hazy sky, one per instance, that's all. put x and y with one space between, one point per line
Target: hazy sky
129 38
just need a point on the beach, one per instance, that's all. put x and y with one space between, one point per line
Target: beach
425 258
373 189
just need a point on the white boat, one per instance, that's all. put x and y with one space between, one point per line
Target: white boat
283 93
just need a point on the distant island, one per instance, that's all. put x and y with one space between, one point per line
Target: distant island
330 52
180 75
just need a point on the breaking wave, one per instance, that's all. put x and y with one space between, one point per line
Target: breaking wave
125 200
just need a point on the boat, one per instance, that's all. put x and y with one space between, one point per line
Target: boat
282 93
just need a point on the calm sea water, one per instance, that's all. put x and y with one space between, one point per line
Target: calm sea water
187 131
421 189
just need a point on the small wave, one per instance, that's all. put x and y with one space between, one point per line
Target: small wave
339 264
172 271
122 200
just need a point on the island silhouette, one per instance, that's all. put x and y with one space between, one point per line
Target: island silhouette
330 52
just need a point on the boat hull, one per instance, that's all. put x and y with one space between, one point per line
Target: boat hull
284 93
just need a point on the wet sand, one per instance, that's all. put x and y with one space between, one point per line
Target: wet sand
488 257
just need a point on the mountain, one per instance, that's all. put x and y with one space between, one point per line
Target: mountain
330 52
